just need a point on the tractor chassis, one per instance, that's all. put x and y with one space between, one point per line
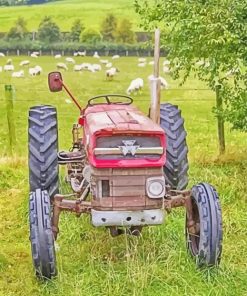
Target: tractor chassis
173 199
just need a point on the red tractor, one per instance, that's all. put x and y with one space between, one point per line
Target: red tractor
126 171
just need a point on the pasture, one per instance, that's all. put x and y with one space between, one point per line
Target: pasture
90 261
65 12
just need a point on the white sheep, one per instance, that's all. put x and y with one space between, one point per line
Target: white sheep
108 65
104 62
163 82
24 63
35 71
85 66
142 60
58 56
8 68
2 54
151 63
110 73
18 74
95 55
166 62
166 69
70 60
116 56
33 55
141 65
77 68
96 67
82 53
37 53
62 66
135 85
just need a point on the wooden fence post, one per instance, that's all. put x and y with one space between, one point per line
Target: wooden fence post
9 96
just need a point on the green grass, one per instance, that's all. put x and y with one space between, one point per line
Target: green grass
90 261
64 12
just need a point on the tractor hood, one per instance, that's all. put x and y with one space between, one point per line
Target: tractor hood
122 136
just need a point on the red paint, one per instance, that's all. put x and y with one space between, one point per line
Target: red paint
107 120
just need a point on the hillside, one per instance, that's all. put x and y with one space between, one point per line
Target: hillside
64 12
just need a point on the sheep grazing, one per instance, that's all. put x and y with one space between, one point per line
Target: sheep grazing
33 55
80 53
116 56
77 68
163 82
151 63
24 63
166 62
18 74
104 62
8 68
2 55
136 85
110 73
108 65
95 55
35 71
62 66
166 69
96 67
141 65
70 60
57 56
142 60
37 53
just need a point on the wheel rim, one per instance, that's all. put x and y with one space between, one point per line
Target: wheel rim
194 238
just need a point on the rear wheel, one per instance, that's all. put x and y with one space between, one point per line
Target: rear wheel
41 236
43 148
205 242
176 166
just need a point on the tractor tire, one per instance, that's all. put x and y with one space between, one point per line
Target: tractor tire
41 236
43 148
176 166
205 244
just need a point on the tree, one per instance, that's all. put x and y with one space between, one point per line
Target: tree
91 35
19 30
48 30
124 32
209 39
108 27
76 30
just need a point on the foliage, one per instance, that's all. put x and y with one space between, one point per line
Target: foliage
91 36
19 30
124 32
108 27
48 30
76 30
212 32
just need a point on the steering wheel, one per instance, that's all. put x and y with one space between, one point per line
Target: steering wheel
108 101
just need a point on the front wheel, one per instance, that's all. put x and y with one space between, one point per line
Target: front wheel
204 243
41 236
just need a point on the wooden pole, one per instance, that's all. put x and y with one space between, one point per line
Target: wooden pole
9 96
155 82
220 121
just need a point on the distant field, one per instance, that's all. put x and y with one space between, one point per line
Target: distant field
90 261
64 12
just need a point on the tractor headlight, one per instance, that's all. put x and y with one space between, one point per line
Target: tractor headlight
155 187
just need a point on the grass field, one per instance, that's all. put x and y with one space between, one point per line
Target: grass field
90 261
64 12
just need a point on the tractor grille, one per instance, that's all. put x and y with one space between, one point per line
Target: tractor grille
128 147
